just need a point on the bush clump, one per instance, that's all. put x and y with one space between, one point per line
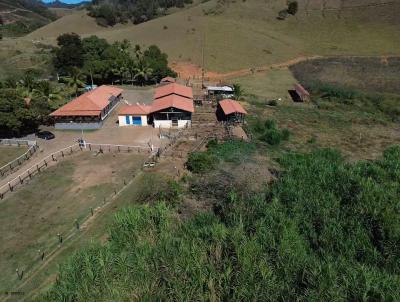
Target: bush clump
269 132
230 151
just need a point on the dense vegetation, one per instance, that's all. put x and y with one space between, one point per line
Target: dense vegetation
23 16
108 13
232 151
98 61
324 230
327 95
26 102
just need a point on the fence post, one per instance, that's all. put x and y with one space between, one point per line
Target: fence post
52 156
90 147
71 150
91 211
45 162
62 153
20 180
11 187
37 167
119 149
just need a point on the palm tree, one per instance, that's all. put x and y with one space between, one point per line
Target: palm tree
238 92
75 80
47 92
143 73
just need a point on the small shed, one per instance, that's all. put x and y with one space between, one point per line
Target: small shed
167 80
230 111
133 115
214 92
301 93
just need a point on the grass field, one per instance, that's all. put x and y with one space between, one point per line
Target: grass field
242 34
8 154
32 217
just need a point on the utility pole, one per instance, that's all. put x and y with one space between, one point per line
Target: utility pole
202 59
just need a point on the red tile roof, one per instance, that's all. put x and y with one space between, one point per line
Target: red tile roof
301 90
230 106
174 101
168 80
139 109
173 88
90 103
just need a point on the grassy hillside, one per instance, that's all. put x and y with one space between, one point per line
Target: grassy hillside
247 34
19 17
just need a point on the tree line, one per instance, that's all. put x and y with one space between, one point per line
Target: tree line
111 12
94 60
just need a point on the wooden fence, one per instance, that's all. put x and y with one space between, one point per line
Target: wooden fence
54 157
12 165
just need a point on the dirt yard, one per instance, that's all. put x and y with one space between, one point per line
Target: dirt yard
31 218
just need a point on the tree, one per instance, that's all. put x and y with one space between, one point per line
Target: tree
70 52
158 62
238 92
45 91
75 80
293 7
143 73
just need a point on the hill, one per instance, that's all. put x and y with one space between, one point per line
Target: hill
19 17
247 34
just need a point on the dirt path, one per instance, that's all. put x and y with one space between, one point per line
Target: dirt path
190 70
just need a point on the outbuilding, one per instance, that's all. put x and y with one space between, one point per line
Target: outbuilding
89 110
302 94
219 92
230 111
133 115
167 80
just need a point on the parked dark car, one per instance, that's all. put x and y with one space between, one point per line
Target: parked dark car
47 135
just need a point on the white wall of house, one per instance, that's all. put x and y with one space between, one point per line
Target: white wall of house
168 123
122 120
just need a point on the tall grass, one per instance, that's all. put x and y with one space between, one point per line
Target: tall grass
327 230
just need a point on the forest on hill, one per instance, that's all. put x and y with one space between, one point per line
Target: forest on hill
19 17
109 13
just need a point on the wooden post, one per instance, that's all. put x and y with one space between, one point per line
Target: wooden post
90 147
62 153
91 211
119 149
109 148
52 156
37 167
60 239
77 224
11 187
29 173
45 162
20 179
71 150
129 150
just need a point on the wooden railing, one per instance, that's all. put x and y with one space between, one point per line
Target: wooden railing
54 157
12 165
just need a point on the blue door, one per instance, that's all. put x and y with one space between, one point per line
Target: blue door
128 119
137 120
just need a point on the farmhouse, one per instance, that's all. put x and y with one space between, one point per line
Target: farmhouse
230 111
134 115
301 93
89 110
172 111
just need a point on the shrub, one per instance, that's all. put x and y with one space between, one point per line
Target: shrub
201 162
293 7
272 137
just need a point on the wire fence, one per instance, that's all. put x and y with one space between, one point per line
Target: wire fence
14 164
